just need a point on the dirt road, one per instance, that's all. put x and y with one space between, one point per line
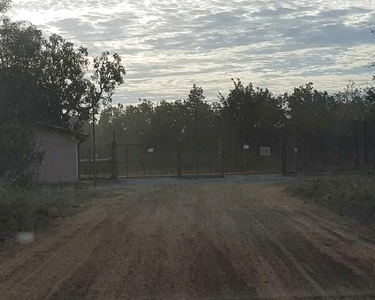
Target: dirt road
194 241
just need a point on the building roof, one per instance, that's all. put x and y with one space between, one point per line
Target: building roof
62 129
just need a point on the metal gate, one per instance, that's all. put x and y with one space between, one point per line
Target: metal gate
180 158
102 165
146 160
253 156
201 159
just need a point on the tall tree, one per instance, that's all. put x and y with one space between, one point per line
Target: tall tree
20 46
63 73
250 113
41 79
194 105
169 122
20 56
108 72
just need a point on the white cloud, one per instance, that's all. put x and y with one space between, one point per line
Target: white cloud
168 45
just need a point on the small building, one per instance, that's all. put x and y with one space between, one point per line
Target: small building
60 148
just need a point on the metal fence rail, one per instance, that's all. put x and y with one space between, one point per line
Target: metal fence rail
350 147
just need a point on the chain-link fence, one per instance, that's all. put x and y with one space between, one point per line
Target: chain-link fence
348 147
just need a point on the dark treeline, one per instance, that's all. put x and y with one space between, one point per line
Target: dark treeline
318 122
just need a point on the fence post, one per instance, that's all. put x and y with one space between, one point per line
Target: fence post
94 146
79 160
144 160
221 158
283 157
197 158
366 154
196 140
242 168
89 166
356 145
127 160
114 157
179 159
114 172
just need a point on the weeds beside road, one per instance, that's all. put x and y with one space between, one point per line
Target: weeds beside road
32 208
350 195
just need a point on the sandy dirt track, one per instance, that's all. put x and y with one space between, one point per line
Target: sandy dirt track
194 241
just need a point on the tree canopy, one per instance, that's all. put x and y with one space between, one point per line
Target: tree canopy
46 79
4 5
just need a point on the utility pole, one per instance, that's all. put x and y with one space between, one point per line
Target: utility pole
366 156
94 144
356 145
179 158
284 168
89 167
196 138
114 171
79 159
221 158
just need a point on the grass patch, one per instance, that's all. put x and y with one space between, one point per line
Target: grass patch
33 208
350 195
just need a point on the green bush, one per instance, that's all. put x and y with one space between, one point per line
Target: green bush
32 208
349 194
18 156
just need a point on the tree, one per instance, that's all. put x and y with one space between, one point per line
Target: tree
310 110
66 86
354 103
20 49
42 80
314 120
250 113
18 157
169 122
107 75
194 103
4 5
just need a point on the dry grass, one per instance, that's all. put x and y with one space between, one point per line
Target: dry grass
351 194
33 208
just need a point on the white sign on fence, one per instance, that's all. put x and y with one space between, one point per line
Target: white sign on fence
246 147
265 151
151 150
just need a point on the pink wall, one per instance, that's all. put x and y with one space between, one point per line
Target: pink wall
60 163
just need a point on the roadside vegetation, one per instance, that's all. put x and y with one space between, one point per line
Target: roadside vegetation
350 195
33 208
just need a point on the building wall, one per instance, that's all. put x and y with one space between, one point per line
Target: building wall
60 163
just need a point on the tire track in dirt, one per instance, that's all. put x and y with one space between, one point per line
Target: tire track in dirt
109 253
47 264
195 241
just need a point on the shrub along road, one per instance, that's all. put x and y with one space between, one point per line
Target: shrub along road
194 240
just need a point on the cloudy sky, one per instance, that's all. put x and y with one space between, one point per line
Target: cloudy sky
167 45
